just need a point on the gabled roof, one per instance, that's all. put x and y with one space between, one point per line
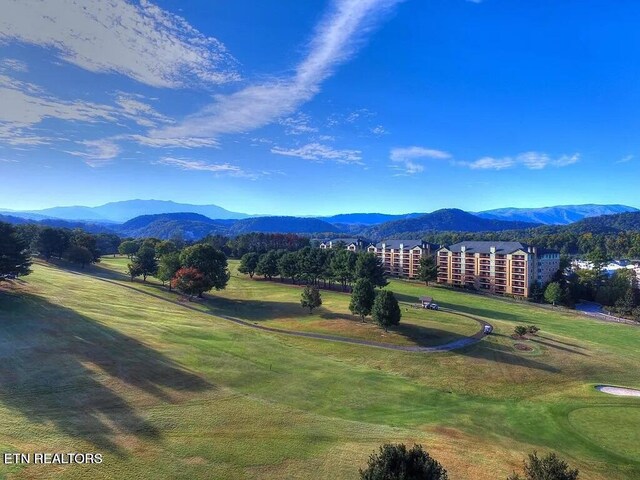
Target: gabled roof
501 248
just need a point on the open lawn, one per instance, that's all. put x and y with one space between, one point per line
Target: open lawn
92 362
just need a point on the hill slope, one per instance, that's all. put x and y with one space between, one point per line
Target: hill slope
282 225
445 220
185 225
556 215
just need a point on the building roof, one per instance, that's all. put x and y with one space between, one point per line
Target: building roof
395 244
502 248
346 241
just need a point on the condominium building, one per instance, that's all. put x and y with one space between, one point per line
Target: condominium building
401 258
498 267
353 244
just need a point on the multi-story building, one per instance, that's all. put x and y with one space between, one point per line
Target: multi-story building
498 267
353 244
401 258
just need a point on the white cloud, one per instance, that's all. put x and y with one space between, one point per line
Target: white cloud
334 41
319 152
378 130
141 41
202 166
404 158
626 159
25 105
98 153
298 124
182 142
14 64
490 163
529 160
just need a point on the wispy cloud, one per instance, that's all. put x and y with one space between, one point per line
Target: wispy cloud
319 152
98 152
404 158
529 160
298 124
626 159
141 41
334 41
378 130
13 64
25 105
198 165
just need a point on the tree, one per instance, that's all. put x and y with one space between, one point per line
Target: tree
165 247
190 281
532 329
288 266
553 293
78 254
268 264
362 298
343 267
395 462
386 311
209 261
310 298
134 269
146 261
14 255
248 263
550 467
428 269
53 242
168 265
520 330
128 248
370 267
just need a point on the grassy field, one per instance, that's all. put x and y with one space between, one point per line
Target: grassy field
92 362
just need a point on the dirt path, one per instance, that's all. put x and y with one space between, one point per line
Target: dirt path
463 342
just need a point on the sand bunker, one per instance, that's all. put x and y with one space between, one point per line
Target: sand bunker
618 391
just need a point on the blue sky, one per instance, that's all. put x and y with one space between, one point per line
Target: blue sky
320 107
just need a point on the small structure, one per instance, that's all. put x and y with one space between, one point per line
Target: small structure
426 301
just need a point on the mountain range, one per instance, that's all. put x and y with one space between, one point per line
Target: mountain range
165 219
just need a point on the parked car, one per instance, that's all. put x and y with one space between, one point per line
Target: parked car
488 329
433 306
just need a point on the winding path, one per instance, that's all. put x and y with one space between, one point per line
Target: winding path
463 342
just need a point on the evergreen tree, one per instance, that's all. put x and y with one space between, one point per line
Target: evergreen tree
362 298
386 311
550 467
14 256
268 264
428 269
370 267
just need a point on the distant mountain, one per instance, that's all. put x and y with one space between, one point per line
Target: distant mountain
558 215
282 225
444 220
128 209
187 226
621 222
56 222
366 218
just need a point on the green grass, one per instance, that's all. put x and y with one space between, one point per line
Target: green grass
93 362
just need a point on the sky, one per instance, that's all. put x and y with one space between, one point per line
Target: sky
320 107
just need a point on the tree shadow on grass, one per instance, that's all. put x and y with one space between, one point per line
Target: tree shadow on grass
255 311
46 355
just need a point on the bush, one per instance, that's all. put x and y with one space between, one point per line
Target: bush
395 462
550 467
532 329
521 330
